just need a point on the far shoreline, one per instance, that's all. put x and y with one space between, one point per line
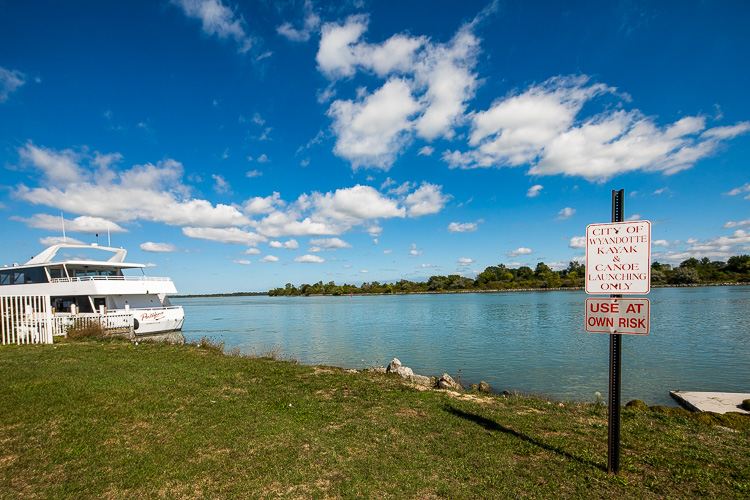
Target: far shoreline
443 292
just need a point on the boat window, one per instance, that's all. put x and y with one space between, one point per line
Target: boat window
55 273
5 277
35 275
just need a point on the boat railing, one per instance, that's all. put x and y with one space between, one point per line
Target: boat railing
109 322
77 279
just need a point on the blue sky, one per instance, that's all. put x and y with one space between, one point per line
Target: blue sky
239 146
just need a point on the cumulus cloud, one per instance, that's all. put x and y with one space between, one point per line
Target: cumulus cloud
465 261
566 213
577 242
542 127
534 190
732 224
230 235
10 81
427 199
220 184
90 185
150 246
269 258
372 131
717 248
58 240
427 88
745 188
519 251
217 19
243 262
414 250
310 23
462 227
322 244
83 224
314 259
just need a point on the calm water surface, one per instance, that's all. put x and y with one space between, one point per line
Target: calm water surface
522 341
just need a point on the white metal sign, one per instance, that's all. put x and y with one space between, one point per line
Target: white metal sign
631 316
618 257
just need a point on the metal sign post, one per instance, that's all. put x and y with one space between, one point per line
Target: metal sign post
615 356
618 259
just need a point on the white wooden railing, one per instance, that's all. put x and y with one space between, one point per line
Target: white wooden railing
110 322
25 319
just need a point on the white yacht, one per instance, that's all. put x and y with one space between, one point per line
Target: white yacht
78 286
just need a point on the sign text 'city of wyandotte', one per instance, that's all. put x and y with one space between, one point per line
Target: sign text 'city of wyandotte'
618 257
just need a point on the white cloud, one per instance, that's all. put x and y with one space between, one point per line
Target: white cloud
231 235
577 242
426 93
253 173
289 245
426 151
534 190
258 205
741 223
387 252
465 261
336 56
519 251
310 23
541 128
57 240
10 81
322 244
243 262
665 243
252 251
150 246
462 227
217 19
220 184
310 259
428 199
372 131
414 250
269 258
90 185
745 188
717 248
83 224
566 213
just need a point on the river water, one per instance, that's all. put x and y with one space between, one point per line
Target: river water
532 342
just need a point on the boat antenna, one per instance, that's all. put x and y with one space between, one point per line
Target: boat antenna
62 219
109 241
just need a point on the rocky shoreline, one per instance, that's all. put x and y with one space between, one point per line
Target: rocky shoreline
445 381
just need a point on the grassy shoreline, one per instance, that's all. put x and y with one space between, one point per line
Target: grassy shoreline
113 419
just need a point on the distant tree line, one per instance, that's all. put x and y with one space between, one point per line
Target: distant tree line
500 277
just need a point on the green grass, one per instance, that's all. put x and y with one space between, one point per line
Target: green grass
112 419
